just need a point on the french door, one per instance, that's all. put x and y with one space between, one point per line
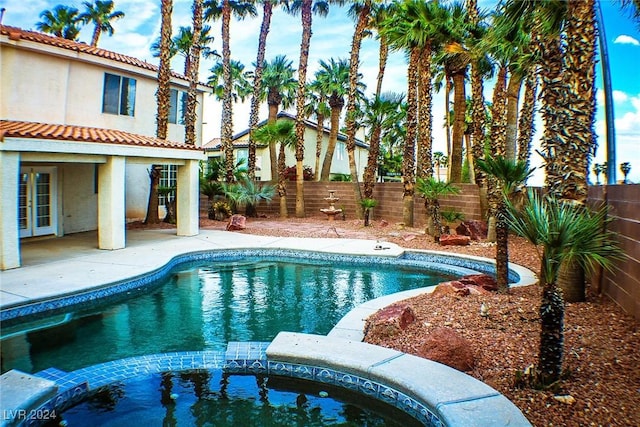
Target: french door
37 207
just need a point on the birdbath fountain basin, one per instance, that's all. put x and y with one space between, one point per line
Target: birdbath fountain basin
331 211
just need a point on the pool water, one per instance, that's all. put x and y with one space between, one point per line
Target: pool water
212 398
205 305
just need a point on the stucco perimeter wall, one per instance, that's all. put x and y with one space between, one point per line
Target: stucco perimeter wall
388 195
623 284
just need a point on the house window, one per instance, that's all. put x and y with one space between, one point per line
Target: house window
177 106
242 158
119 95
168 178
341 151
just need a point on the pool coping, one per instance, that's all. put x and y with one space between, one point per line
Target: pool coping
345 335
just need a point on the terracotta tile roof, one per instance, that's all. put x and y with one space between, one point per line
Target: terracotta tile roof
15 33
19 129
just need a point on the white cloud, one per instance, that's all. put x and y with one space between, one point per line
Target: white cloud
620 96
624 39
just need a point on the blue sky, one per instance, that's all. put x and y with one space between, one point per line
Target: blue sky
331 38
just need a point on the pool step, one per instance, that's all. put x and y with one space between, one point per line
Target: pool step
23 393
246 357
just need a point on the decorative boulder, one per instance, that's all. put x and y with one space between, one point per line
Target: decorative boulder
475 229
446 346
454 240
389 321
458 288
482 281
237 222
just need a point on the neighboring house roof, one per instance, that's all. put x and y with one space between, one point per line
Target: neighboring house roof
16 34
33 130
216 143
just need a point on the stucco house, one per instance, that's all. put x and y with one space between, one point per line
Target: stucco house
339 164
77 127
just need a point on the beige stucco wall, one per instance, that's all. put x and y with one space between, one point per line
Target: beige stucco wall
79 199
69 91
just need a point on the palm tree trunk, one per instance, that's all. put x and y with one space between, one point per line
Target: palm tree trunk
163 96
319 138
331 146
382 63
526 126
425 116
369 178
571 279
409 151
305 13
267 11
354 61
227 104
273 155
194 60
551 335
164 71
457 137
502 248
282 183
513 98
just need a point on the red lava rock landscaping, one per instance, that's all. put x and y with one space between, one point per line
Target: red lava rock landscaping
390 321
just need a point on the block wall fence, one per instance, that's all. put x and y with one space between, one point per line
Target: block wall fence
622 286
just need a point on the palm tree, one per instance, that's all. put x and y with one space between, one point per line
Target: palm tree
510 175
566 233
456 63
101 14
526 127
380 114
240 81
432 190
181 45
306 9
62 21
256 97
278 85
280 132
317 107
333 76
439 159
361 10
224 9
193 68
163 96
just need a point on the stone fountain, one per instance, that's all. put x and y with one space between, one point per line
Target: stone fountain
331 212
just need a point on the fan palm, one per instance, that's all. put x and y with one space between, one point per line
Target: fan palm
101 14
193 67
61 21
566 233
278 85
510 175
279 133
333 77
379 115
181 45
432 190
316 106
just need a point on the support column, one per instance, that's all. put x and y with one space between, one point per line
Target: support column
111 203
188 199
9 231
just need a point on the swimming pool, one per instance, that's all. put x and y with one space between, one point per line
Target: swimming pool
207 300
380 360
